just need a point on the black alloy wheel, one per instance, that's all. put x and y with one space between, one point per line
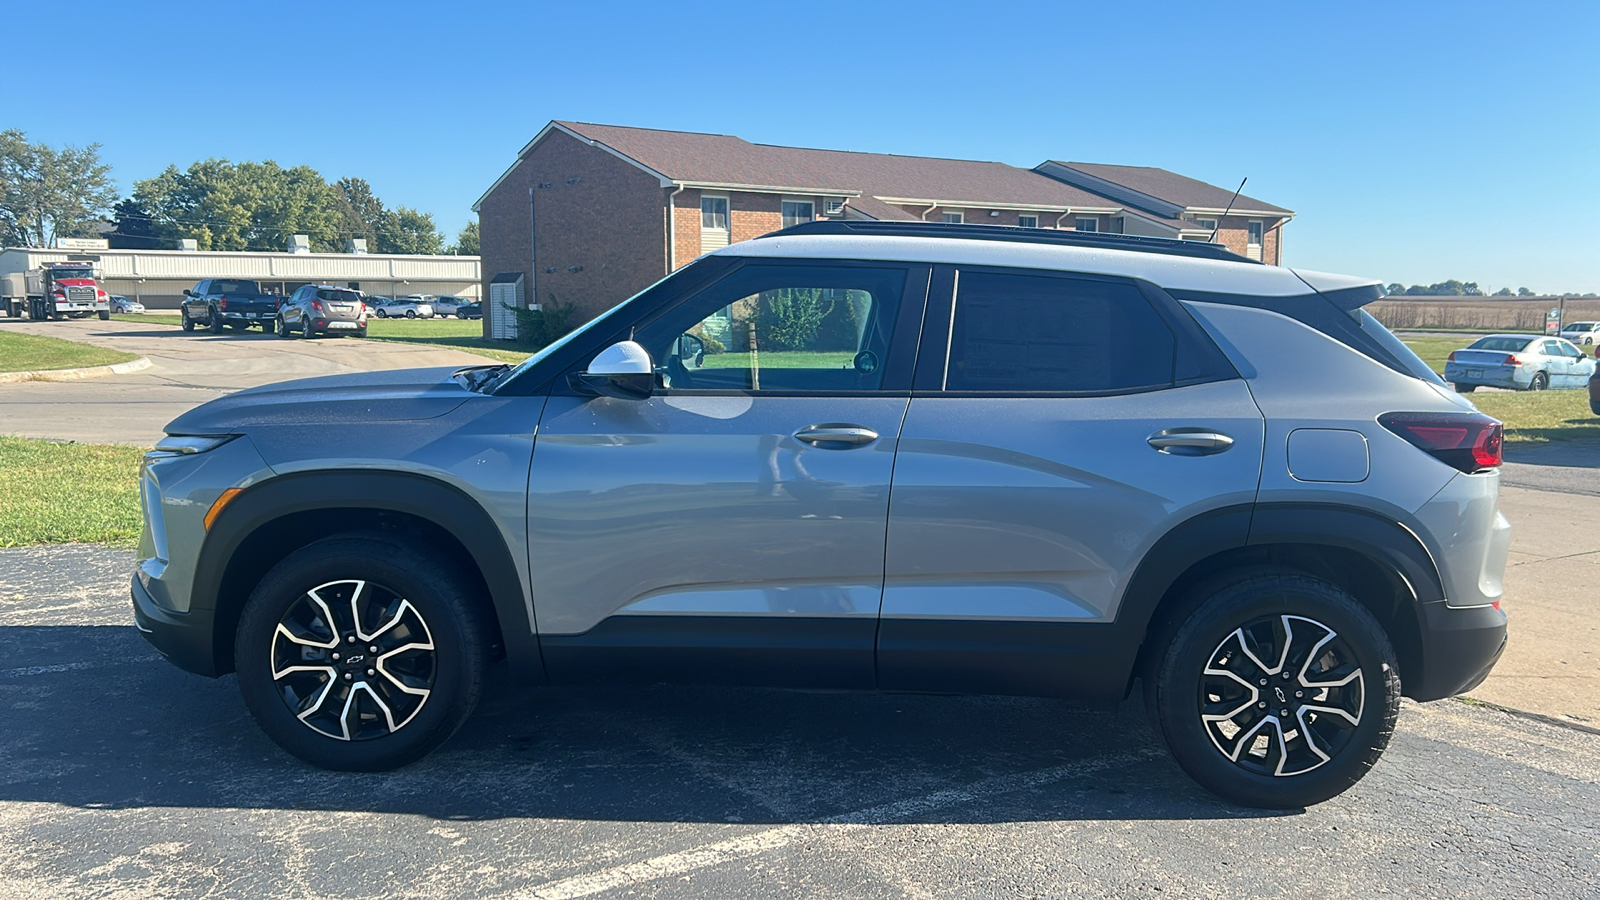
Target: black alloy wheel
358 653
1279 691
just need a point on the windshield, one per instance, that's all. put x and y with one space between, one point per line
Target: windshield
234 287
1500 344
63 272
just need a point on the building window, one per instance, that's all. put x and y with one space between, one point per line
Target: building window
954 218
1088 224
797 211
1255 234
714 213
1028 221
714 230
1207 224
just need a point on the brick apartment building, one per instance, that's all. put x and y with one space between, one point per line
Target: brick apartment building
591 214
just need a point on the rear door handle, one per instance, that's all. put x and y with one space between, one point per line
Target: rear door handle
834 436
1190 441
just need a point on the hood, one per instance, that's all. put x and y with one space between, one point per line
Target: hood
402 395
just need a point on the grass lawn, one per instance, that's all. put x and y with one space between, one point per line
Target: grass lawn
459 334
783 359
30 352
55 493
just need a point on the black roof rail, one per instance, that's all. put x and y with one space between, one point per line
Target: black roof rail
1010 233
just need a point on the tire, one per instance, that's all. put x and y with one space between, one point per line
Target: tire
1540 382
105 315
1466 388
283 331
188 323
306 711
215 321
269 326
305 329
411 314
1201 669
382 314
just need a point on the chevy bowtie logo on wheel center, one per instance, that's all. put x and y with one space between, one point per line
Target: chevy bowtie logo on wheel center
356 660
1277 691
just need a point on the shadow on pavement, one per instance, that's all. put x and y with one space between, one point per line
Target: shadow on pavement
1560 450
90 717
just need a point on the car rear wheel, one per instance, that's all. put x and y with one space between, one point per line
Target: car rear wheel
269 326
1278 692
1540 382
1466 388
215 322
305 328
357 653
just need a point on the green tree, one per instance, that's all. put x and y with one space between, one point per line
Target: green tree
467 241
243 206
405 230
361 210
1503 292
1396 288
1524 292
47 193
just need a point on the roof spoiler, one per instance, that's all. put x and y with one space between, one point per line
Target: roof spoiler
1348 292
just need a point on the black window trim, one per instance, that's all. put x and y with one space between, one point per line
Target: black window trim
939 323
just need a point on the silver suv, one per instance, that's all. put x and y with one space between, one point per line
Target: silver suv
867 456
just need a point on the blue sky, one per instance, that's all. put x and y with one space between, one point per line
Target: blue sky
1416 142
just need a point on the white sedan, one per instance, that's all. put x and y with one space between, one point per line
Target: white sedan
404 307
1522 362
121 304
1581 332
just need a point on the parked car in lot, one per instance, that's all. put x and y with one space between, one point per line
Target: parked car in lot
446 305
121 304
471 310
1524 362
1581 332
403 307
323 309
236 303
1273 518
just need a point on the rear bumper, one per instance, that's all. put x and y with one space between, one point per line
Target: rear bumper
183 638
1459 648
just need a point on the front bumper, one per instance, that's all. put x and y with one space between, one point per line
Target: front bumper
1460 645
183 638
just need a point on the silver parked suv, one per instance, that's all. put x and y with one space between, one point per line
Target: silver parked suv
867 456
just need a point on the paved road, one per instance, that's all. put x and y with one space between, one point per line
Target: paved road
187 370
121 776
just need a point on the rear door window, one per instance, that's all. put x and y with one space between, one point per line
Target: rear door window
1047 334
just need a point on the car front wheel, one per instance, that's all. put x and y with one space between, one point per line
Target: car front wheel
356 653
1280 691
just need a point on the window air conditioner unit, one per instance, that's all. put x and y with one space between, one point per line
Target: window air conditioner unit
833 206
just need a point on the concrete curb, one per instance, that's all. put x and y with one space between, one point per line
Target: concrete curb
122 368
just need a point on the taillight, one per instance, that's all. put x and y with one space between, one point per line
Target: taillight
1451 357
1511 360
1470 442
316 305
222 303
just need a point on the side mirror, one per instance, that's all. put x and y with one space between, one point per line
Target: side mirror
188 293
623 370
691 351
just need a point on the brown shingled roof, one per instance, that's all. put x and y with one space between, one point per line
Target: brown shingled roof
725 159
1176 189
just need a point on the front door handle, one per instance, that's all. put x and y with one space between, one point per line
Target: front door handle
1190 441
835 436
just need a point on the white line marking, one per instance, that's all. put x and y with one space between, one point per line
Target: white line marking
25 671
707 855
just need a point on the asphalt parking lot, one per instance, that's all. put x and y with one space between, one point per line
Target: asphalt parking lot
121 776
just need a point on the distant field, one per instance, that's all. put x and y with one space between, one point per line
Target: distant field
1478 314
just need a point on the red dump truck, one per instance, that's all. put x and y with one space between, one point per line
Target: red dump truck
56 290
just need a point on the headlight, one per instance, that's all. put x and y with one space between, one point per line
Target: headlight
189 444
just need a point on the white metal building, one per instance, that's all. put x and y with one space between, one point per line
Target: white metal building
157 278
